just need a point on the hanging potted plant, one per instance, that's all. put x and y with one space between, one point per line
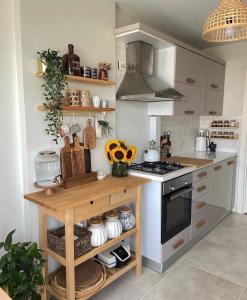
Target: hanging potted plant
54 86
119 155
21 269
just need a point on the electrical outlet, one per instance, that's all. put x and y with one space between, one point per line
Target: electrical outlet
121 65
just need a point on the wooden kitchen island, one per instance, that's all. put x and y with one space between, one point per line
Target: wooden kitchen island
81 203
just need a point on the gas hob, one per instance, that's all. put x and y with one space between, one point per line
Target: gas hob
160 167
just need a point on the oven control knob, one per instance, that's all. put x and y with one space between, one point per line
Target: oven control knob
172 188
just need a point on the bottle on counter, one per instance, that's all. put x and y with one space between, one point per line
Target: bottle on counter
71 62
165 145
169 144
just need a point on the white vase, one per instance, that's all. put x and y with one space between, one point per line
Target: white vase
113 225
127 218
99 233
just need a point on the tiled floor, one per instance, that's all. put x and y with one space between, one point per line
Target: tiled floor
216 268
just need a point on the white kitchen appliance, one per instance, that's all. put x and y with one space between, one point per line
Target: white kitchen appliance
152 154
201 141
115 256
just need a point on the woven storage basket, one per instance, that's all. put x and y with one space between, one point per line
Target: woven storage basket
82 244
89 278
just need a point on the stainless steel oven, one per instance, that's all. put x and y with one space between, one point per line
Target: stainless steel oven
176 206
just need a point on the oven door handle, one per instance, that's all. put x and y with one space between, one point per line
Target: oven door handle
178 194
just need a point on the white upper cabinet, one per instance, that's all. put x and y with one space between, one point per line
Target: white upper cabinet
215 75
189 67
201 80
213 104
192 104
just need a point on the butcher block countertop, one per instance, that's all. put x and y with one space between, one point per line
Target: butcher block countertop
64 199
191 162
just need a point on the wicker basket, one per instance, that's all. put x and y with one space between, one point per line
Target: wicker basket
56 240
90 276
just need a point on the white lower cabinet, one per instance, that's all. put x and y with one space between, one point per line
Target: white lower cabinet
199 205
199 223
213 195
176 243
201 188
218 185
230 185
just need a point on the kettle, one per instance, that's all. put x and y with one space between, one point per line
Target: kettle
152 154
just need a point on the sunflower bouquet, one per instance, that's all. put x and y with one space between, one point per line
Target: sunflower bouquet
119 155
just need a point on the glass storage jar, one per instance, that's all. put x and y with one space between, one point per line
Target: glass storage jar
127 218
47 167
99 233
113 225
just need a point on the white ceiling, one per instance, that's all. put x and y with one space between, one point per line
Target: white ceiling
181 19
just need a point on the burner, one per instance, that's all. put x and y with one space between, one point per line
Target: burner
159 167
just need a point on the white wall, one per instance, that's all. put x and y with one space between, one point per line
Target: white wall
88 24
235 87
11 200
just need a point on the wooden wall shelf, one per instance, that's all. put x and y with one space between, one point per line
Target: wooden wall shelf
84 80
78 110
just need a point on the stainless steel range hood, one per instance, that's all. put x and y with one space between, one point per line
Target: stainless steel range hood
139 83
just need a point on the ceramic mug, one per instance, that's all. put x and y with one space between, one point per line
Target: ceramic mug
96 101
104 103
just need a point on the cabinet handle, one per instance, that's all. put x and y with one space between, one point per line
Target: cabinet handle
91 202
214 86
231 162
190 80
212 112
178 244
200 205
189 112
125 191
218 168
200 224
201 188
203 174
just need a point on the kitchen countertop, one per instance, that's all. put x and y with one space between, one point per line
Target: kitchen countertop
212 157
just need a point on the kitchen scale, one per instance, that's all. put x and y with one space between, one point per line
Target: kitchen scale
116 256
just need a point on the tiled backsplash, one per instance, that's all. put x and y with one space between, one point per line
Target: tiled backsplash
183 132
132 124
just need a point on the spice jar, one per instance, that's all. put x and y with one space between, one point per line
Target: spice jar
99 233
113 225
47 167
127 218
85 98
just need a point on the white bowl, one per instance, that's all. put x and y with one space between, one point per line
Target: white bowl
100 177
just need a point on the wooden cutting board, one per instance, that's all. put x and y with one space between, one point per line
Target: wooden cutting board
189 161
89 136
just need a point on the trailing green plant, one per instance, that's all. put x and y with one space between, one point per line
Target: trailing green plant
106 128
54 86
21 269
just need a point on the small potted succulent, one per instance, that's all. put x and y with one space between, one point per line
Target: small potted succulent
119 155
21 269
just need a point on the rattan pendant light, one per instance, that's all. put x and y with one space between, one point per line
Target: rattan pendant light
227 23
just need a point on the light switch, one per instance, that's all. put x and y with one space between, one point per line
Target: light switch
121 65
